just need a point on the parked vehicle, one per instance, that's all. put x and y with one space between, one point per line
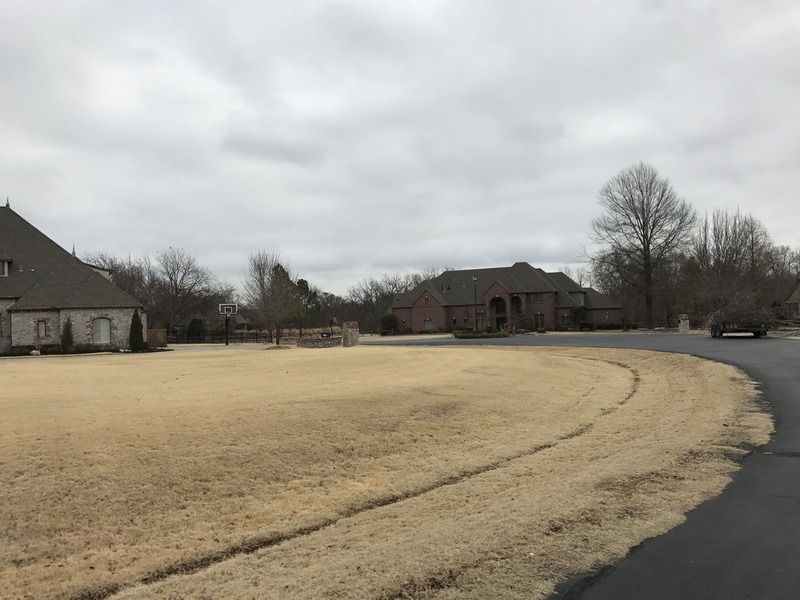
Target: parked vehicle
735 320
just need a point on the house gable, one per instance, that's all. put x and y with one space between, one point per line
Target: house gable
41 285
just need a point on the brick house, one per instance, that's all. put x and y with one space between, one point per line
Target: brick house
519 296
792 302
41 285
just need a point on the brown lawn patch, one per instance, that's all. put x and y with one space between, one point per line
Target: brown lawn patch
354 473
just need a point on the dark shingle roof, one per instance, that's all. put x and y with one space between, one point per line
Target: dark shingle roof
44 275
457 288
595 299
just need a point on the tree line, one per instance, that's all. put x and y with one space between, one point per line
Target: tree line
653 253
659 258
179 293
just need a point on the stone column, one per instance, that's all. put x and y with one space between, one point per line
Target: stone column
350 333
683 323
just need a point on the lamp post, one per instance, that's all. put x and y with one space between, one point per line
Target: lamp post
475 289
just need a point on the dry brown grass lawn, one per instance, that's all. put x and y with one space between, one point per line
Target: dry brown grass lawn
367 472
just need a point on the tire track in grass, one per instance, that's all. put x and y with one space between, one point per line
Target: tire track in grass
189 567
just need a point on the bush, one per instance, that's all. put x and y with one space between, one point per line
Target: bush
471 335
608 326
67 340
136 340
44 349
388 324
196 328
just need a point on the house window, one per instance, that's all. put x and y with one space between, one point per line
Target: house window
565 321
41 329
426 301
538 297
4 268
428 325
102 331
538 321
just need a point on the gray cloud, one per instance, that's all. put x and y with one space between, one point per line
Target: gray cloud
361 138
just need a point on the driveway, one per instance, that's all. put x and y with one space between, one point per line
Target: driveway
744 543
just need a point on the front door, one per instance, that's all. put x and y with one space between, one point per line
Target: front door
498 307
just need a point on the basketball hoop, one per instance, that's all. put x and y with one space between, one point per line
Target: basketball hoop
228 310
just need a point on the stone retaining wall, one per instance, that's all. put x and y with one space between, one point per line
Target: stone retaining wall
315 342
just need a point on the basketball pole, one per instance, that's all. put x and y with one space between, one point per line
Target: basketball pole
228 310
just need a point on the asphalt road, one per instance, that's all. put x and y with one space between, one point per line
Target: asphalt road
744 543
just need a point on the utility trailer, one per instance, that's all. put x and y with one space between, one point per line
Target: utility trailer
757 329
724 321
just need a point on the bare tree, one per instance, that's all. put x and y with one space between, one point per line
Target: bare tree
644 225
182 287
738 262
173 287
135 275
373 297
425 274
271 291
580 275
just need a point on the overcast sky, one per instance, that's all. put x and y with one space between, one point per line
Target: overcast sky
362 138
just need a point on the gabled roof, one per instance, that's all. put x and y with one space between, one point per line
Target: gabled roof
794 294
595 299
459 288
44 275
592 298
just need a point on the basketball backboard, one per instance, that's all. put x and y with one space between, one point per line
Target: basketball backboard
228 309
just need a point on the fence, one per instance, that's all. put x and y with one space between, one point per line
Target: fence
218 337
156 338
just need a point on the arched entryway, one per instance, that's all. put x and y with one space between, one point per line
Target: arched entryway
497 307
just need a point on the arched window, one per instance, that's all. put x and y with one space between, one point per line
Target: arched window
102 331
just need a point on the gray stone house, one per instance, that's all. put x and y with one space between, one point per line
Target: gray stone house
41 285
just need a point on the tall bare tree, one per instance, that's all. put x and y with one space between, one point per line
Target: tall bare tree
580 275
738 263
271 291
173 286
371 298
135 275
183 287
644 225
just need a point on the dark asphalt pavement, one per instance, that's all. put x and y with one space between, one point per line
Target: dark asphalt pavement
744 543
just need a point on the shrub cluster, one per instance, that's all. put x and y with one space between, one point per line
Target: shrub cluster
471 335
